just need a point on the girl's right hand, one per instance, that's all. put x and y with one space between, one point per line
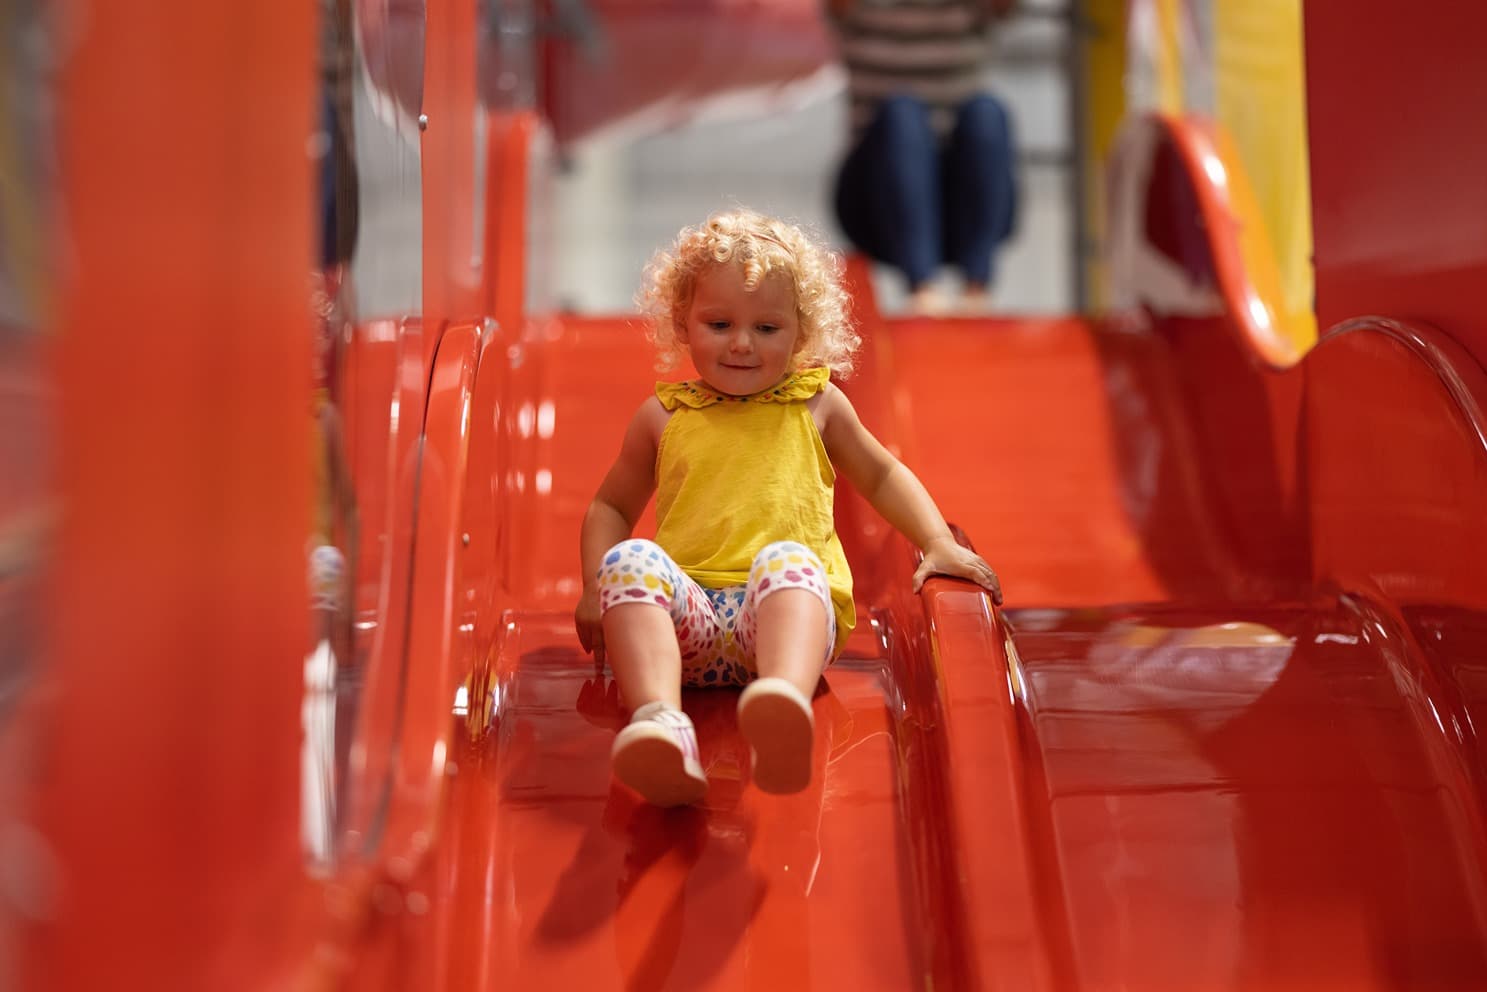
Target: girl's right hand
587 620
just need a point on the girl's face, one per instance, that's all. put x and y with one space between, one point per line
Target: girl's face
741 342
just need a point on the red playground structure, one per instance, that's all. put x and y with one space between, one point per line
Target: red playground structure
1221 735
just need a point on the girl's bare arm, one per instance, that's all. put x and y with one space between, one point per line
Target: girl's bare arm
897 494
615 508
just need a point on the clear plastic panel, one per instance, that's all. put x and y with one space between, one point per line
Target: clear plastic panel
507 57
367 295
27 190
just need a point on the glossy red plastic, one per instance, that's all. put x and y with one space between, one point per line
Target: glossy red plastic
160 838
1223 734
1396 194
1260 777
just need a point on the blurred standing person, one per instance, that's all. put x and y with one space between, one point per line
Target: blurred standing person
333 540
332 673
927 181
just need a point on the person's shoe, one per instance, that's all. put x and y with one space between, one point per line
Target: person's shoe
777 722
656 755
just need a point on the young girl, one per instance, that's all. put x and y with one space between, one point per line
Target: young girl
745 583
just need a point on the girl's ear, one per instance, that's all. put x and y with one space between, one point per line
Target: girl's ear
680 327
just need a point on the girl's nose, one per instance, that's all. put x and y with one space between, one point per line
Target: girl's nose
740 342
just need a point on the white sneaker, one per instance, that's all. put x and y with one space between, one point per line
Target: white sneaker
778 723
656 755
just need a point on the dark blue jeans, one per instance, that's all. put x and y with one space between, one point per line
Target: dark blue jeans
912 201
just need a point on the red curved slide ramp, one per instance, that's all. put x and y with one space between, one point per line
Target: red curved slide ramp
551 872
1223 736
1233 779
1249 777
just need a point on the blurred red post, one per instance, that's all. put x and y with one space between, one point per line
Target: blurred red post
169 783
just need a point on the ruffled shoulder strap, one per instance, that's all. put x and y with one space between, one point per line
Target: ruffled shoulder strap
800 386
697 394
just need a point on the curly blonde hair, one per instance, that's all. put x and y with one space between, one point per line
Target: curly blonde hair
762 246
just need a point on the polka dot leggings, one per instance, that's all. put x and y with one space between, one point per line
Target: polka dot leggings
715 628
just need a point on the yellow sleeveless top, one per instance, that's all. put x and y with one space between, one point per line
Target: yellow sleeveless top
734 473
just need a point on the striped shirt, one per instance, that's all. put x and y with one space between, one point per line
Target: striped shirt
936 50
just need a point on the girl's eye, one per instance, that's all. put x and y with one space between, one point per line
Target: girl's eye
718 325
768 328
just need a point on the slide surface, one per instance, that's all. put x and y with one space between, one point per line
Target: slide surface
1170 763
565 878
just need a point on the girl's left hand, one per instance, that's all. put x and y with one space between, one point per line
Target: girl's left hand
946 557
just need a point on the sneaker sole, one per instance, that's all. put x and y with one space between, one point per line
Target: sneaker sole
781 734
655 767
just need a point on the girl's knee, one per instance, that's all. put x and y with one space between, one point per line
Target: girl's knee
787 564
632 549
786 552
636 571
